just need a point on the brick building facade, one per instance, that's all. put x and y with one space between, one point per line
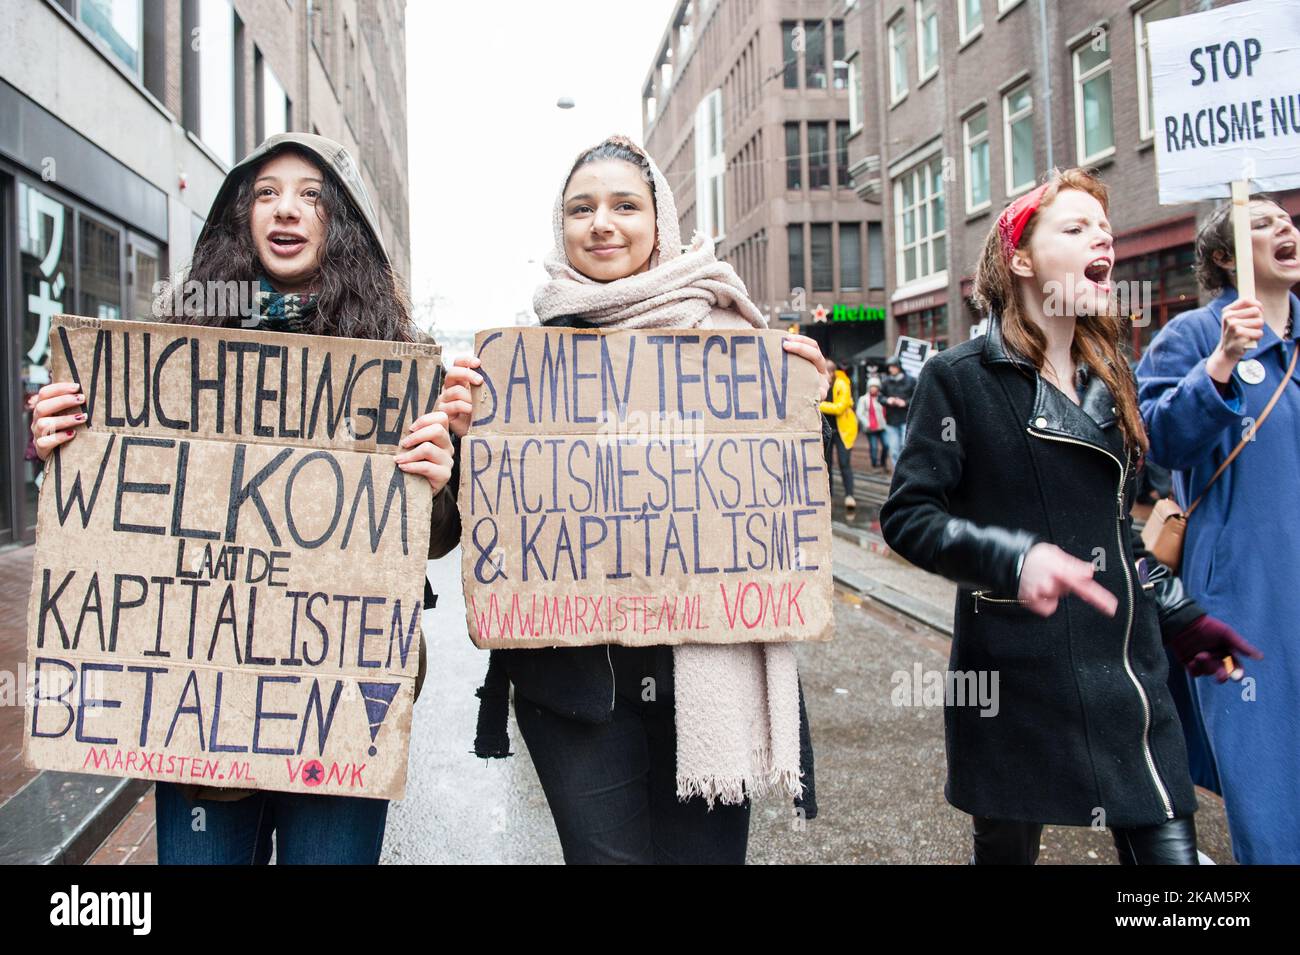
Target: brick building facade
746 108
974 100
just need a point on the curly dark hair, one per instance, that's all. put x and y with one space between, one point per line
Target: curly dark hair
1214 236
360 295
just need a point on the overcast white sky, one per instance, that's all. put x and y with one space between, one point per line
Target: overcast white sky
488 146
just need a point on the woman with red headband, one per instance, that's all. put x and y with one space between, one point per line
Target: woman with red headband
1016 482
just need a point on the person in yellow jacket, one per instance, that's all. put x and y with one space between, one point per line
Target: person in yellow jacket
839 440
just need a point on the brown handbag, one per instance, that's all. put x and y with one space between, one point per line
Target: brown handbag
1167 526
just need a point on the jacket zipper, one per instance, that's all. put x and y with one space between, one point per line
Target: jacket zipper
1128 628
981 595
612 685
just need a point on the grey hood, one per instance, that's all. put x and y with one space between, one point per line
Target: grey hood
332 157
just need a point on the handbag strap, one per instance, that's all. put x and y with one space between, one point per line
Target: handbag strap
1295 353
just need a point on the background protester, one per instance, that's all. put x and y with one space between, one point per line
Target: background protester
1023 448
293 218
896 395
839 439
871 421
1205 382
668 776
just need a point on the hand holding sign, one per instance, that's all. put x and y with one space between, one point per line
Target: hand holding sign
1243 325
455 400
57 411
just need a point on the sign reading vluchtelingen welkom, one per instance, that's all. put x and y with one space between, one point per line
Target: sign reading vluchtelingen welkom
229 568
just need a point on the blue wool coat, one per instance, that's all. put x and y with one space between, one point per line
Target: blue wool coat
1241 560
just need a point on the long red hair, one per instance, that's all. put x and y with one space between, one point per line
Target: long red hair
1097 338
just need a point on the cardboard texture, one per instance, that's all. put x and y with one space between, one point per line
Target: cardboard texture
229 569
648 487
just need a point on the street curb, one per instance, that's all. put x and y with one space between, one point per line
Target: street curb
863 585
908 606
62 818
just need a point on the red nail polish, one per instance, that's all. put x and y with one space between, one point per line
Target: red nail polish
70 432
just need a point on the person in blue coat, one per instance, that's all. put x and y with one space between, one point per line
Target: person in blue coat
1203 384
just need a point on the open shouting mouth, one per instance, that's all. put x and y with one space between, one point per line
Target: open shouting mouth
287 244
1098 272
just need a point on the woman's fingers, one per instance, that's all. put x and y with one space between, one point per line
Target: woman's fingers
425 420
61 422
46 443
1091 592
429 461
454 393
54 404
431 434
460 375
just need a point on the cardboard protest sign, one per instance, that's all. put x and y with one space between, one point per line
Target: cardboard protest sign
1227 103
647 487
229 569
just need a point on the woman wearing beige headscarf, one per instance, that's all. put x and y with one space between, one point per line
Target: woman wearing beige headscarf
630 779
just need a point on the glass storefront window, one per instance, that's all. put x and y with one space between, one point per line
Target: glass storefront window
69 262
45 247
1166 279
100 273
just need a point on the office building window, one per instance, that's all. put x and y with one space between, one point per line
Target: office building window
920 226
789 55
875 255
1161 10
793 157
841 67
272 103
927 39
794 237
823 271
850 256
842 179
975 132
710 166
117 24
1018 138
1094 125
814 54
819 156
215 61
855 94
970 18
898 58
929 325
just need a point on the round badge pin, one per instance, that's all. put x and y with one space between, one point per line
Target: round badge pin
1251 371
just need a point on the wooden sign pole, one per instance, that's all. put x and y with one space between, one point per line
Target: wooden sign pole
1243 257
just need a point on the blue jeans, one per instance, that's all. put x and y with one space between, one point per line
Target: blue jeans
895 435
876 446
612 787
309 830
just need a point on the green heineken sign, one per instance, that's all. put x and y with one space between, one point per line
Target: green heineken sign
857 313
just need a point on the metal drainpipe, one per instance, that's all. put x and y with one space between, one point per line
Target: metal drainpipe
1047 78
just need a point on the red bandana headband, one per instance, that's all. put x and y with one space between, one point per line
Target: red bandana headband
1012 222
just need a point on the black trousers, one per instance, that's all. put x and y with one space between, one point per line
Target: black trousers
1009 842
833 446
612 787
